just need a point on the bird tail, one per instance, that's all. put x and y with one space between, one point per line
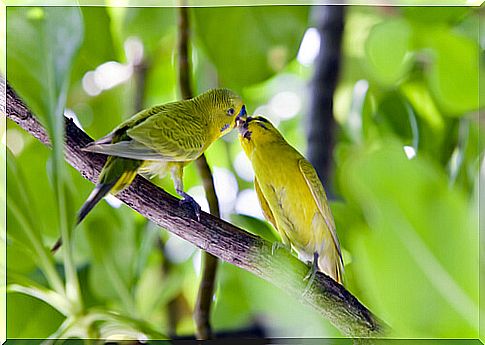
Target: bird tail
117 174
331 263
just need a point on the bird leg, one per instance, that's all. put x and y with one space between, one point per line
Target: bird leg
310 276
187 200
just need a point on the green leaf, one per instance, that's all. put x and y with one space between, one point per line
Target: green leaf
111 274
24 226
395 115
249 44
35 290
454 71
427 15
98 46
388 50
150 24
29 317
42 80
417 259
41 44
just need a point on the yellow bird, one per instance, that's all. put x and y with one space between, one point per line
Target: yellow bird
162 139
292 196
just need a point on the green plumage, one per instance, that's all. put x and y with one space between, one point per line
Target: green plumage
160 139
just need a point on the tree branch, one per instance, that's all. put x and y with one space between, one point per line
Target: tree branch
320 121
205 294
214 235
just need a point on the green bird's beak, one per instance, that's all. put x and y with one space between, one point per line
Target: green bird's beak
241 117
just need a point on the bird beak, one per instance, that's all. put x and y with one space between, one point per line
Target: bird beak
243 128
241 117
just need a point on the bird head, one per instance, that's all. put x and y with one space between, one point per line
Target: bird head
229 110
256 131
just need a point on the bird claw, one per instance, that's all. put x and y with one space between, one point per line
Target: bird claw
190 203
312 272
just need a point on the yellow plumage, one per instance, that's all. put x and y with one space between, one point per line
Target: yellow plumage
292 196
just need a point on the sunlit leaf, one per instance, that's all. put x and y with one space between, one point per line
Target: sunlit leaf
454 71
388 50
29 317
419 251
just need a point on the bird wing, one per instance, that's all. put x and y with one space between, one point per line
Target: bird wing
127 149
316 188
174 131
268 214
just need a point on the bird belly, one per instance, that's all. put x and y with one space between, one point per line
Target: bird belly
291 203
150 169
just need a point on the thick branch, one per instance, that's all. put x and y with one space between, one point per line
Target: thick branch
205 294
320 122
216 236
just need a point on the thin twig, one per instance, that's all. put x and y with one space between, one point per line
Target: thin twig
205 294
140 74
214 235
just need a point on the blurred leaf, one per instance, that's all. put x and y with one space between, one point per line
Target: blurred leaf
162 67
429 15
24 228
249 44
256 226
150 24
280 314
420 246
35 290
232 307
150 298
453 74
29 317
464 163
98 46
42 80
54 34
388 49
101 113
395 115
420 98
116 323
111 274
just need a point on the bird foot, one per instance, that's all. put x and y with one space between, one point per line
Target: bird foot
190 203
312 272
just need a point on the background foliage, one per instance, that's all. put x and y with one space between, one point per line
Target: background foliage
406 166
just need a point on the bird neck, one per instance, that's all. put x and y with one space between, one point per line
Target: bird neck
206 112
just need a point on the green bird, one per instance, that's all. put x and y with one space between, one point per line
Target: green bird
161 139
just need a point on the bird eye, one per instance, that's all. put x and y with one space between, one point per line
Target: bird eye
230 111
